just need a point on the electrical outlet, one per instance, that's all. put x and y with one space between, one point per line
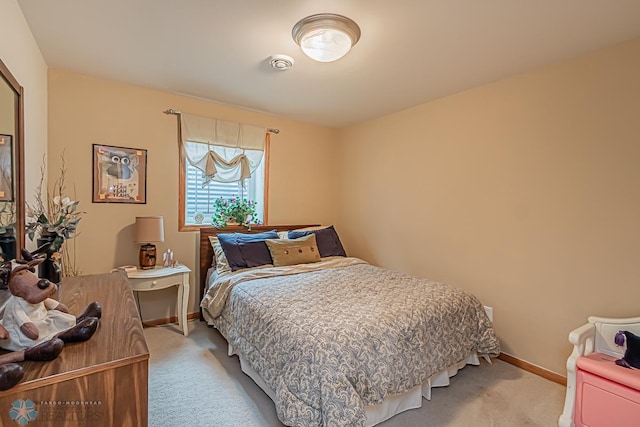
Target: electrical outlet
489 311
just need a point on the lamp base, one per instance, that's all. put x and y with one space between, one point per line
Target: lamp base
147 256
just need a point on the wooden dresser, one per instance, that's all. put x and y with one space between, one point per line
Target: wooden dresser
101 382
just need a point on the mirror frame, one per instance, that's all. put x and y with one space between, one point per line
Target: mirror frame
18 155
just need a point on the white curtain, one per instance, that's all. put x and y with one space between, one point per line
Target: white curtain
224 151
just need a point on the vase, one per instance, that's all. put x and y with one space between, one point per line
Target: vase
49 269
237 220
8 244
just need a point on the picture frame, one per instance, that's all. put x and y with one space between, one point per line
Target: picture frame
119 174
6 168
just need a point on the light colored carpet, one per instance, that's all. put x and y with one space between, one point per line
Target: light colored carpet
193 382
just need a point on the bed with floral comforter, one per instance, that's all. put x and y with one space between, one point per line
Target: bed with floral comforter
335 336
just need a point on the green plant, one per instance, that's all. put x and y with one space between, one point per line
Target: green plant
235 209
59 214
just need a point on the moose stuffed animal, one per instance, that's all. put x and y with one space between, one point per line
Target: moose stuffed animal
35 326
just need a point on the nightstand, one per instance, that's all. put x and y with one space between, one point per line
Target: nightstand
161 278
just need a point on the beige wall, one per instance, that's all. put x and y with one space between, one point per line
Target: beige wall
87 110
22 56
524 191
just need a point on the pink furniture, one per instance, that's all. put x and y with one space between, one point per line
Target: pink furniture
599 392
606 394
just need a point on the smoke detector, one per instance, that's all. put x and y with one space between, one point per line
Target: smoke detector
281 62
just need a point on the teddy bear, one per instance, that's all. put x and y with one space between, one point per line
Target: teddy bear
33 325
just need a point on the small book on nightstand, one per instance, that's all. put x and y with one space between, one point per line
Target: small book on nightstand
127 268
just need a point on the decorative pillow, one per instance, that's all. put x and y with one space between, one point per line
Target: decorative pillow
219 259
298 251
328 241
246 250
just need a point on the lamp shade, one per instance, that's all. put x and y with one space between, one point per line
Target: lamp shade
149 229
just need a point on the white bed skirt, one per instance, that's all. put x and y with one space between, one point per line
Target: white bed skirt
392 404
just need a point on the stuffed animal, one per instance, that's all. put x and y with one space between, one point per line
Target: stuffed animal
31 316
34 325
632 354
11 373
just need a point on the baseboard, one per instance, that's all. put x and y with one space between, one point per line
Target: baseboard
534 369
166 320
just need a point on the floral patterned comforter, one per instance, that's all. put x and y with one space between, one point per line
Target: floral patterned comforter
332 337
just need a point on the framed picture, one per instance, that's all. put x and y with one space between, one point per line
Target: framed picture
119 175
6 168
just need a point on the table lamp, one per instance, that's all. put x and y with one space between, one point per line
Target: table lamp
148 229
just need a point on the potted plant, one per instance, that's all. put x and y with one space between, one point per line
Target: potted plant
235 210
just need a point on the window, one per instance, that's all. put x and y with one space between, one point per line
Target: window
198 200
220 159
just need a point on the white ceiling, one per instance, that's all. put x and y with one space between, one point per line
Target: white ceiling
410 52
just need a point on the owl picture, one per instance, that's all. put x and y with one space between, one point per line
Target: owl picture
119 174
121 164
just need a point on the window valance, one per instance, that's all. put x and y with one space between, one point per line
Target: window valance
224 151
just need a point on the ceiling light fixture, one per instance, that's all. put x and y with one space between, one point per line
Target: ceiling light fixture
326 37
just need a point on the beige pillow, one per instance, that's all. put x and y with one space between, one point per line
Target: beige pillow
293 251
219 258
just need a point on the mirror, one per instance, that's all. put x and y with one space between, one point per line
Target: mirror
12 207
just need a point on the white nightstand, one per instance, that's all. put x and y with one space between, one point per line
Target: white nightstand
161 278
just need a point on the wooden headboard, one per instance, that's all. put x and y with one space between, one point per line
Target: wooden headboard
206 251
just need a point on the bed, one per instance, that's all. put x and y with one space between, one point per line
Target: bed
336 341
